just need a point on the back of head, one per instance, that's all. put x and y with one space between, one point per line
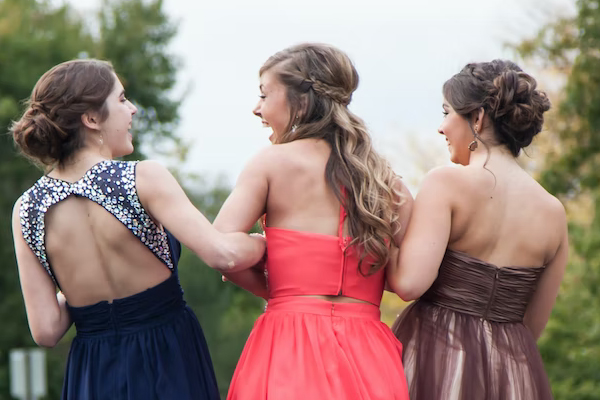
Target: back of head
50 130
319 81
507 94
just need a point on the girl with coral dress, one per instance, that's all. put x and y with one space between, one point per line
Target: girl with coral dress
332 207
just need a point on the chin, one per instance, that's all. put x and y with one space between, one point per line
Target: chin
455 159
124 151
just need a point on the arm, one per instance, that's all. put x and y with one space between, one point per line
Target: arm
166 201
423 247
404 211
244 206
47 312
540 307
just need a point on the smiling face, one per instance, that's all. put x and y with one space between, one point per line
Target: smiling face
115 129
458 135
273 108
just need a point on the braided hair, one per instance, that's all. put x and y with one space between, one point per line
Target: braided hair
319 81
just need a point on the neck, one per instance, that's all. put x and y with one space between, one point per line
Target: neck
81 161
490 154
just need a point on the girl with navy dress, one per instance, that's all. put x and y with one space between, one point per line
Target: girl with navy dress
98 229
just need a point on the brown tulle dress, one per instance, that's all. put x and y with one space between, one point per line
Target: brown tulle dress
465 339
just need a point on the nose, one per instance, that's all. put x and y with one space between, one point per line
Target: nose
440 130
256 110
134 109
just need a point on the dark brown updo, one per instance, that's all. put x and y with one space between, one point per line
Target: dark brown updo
49 132
507 94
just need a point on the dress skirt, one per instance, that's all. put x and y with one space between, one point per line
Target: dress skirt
452 355
148 346
306 348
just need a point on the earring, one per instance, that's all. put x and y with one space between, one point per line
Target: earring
101 140
295 125
473 145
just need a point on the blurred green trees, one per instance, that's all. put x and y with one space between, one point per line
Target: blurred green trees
571 344
134 35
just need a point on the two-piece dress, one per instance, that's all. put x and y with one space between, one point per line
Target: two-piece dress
145 346
308 348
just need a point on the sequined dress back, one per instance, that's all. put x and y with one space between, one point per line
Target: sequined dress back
146 346
464 339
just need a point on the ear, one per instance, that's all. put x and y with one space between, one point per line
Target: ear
303 106
479 117
90 121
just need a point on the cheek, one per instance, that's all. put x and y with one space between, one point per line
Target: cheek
277 116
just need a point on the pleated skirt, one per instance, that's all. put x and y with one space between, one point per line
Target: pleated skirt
451 355
147 346
305 348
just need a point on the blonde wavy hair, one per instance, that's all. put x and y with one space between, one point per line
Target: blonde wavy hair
320 80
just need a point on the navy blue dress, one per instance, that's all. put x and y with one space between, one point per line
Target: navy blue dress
146 346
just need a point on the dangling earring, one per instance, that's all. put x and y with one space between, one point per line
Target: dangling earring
101 140
473 145
295 125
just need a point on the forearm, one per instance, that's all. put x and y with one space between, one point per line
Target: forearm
240 251
252 279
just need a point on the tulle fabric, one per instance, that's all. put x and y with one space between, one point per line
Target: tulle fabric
465 340
305 348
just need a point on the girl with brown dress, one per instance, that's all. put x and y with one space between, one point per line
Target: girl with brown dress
485 250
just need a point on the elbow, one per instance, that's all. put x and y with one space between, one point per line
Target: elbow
223 260
45 338
406 290
536 329
409 295
215 255
47 333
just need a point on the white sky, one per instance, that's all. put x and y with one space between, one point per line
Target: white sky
403 51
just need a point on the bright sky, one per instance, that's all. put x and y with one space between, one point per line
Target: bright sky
403 51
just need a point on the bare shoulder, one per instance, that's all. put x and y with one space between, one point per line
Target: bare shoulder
150 171
152 177
263 162
401 189
285 156
267 155
447 177
17 209
553 206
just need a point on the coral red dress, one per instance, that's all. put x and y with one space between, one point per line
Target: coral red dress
308 348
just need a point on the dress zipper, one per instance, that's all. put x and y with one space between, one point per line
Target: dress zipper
492 294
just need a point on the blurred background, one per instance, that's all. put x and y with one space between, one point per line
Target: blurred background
191 67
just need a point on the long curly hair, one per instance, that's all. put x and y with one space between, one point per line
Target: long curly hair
320 80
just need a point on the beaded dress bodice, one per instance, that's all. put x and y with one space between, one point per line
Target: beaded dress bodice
111 184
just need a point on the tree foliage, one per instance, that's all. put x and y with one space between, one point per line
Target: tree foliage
571 343
134 35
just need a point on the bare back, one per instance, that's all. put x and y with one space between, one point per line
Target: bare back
92 252
503 216
94 256
299 197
